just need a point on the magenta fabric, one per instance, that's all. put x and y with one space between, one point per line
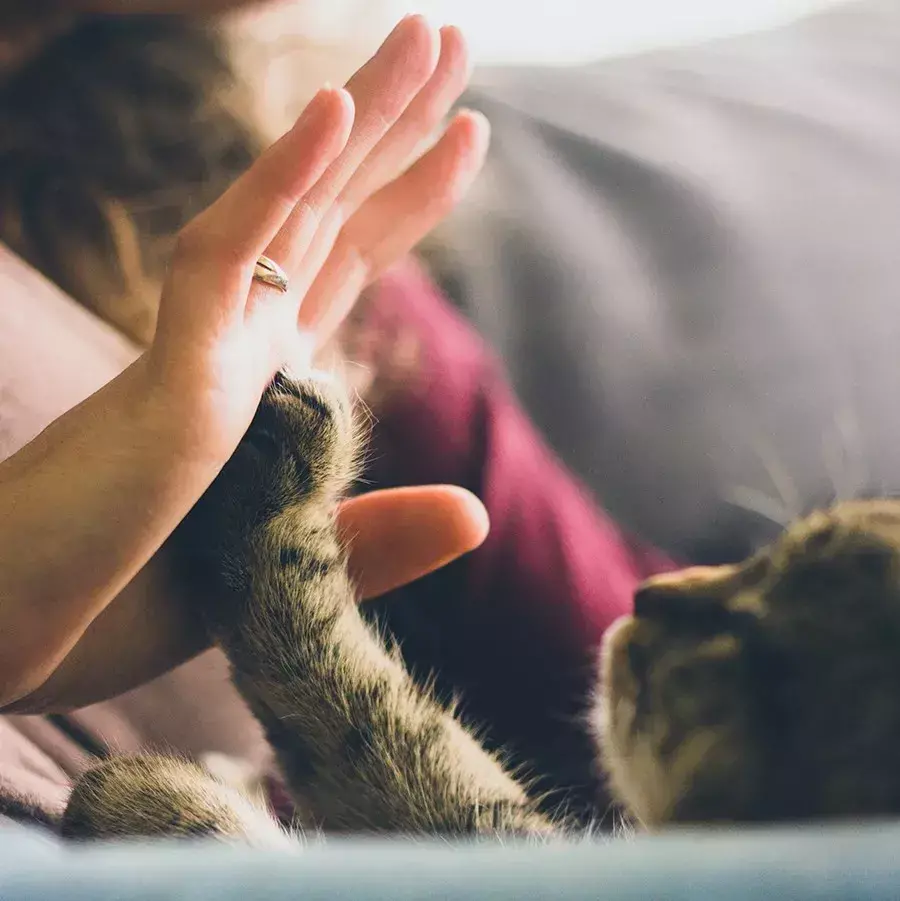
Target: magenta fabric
515 626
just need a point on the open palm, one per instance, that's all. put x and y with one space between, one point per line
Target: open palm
332 203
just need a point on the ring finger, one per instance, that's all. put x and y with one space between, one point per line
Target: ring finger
381 91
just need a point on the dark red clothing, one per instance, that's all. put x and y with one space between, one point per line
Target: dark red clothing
515 626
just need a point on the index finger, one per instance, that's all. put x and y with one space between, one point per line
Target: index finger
243 221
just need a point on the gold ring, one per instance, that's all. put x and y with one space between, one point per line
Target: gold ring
270 273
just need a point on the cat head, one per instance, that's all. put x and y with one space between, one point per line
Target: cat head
764 691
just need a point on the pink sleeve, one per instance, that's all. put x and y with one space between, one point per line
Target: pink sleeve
520 633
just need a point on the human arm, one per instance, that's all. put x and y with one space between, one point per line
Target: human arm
212 399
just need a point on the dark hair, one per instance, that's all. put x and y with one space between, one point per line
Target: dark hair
112 135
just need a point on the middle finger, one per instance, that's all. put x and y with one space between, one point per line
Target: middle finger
381 91
417 124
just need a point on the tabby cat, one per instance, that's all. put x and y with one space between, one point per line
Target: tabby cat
766 691
758 692
761 692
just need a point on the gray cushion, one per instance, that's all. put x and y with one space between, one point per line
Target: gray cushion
688 261
819 863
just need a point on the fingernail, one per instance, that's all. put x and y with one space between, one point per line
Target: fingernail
317 106
311 112
404 20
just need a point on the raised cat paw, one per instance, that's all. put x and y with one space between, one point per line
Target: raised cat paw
295 460
301 445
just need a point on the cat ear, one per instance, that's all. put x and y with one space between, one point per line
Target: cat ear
698 589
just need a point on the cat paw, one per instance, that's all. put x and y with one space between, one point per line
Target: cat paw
298 455
302 441
164 797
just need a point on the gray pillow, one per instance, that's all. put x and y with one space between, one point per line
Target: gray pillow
688 261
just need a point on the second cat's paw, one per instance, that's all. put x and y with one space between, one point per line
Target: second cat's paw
165 797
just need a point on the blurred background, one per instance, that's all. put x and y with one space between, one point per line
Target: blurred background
295 47
564 31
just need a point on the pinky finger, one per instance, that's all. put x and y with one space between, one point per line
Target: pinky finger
394 220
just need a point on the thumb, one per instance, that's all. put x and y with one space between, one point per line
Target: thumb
400 534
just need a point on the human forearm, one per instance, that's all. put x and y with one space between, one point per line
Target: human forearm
71 540
150 628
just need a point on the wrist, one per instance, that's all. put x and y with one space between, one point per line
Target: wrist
174 421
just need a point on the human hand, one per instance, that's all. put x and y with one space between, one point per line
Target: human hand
323 203
327 204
